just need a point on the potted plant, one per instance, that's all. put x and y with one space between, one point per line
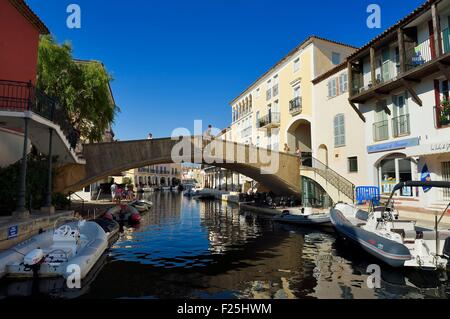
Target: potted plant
445 112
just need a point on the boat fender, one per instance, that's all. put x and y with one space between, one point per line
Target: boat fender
135 218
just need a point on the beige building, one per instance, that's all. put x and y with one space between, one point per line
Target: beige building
278 107
164 175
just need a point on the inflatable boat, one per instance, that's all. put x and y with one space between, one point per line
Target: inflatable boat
125 213
142 205
303 216
71 247
398 243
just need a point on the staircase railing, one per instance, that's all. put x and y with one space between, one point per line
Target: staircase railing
338 181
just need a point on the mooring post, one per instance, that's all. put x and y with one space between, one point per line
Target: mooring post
21 211
48 207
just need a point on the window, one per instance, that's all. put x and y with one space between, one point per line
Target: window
353 164
297 92
335 58
275 85
339 130
296 65
343 83
258 91
257 119
332 88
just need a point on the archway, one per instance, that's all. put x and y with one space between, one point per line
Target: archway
394 168
162 181
299 136
322 154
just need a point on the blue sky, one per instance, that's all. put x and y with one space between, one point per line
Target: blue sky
175 61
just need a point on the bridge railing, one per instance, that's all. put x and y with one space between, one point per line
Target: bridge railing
18 96
338 181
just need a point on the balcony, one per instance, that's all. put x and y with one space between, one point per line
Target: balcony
400 125
381 131
420 60
295 106
24 97
271 120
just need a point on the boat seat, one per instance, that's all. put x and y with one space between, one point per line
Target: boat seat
362 215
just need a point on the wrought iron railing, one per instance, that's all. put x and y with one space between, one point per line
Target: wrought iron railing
400 125
381 131
295 105
338 181
271 118
24 97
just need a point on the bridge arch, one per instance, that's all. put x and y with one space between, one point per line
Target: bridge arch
108 159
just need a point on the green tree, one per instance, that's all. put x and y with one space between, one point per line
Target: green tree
82 87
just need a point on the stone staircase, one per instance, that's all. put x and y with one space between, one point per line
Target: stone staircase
338 187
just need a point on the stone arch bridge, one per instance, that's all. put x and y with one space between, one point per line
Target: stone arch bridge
279 172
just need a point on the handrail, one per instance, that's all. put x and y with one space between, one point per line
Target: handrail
18 96
331 176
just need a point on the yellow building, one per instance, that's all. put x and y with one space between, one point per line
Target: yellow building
277 109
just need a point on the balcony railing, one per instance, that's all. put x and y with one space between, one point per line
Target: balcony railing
446 40
271 119
381 131
419 55
295 106
400 125
24 97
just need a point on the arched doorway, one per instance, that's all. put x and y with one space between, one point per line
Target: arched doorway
299 136
162 181
393 169
322 154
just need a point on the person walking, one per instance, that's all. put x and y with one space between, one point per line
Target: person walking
150 136
286 148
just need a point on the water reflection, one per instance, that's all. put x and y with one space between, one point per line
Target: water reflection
190 249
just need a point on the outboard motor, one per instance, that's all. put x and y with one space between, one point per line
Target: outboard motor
33 261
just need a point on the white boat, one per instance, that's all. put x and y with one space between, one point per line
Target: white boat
399 243
72 246
303 216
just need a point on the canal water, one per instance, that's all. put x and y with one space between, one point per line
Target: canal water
193 249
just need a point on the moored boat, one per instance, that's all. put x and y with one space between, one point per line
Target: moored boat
303 216
125 213
71 247
399 243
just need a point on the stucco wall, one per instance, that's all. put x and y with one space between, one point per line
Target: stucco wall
18 45
325 111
